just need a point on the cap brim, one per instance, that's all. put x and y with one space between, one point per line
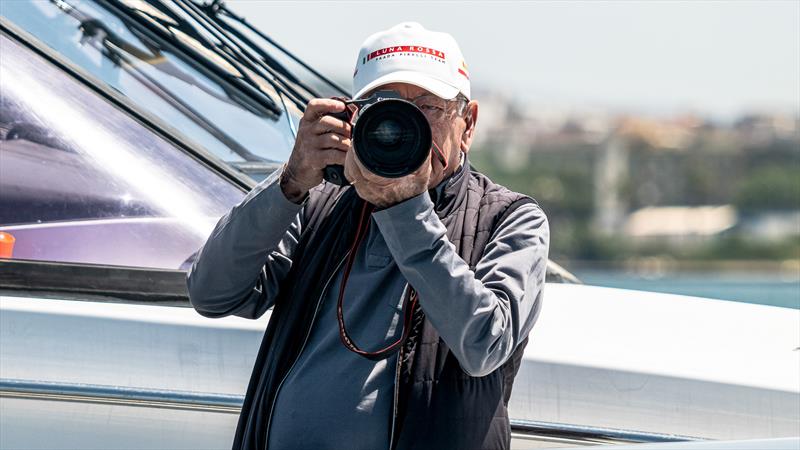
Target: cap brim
435 86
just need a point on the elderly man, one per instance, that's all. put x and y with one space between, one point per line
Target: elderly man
401 306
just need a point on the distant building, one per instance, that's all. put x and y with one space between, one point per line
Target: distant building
610 171
680 224
770 225
761 128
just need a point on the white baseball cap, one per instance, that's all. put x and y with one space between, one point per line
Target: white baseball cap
408 53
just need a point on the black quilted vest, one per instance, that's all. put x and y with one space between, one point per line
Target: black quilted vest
439 406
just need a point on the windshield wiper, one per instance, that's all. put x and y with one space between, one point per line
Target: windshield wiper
218 7
245 90
241 54
116 49
226 43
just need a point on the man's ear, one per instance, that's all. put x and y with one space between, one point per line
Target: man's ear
470 118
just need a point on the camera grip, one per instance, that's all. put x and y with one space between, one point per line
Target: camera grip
334 173
345 115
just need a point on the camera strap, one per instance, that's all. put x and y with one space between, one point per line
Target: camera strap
409 303
440 154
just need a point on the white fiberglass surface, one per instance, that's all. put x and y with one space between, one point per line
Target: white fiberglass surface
659 334
671 335
597 357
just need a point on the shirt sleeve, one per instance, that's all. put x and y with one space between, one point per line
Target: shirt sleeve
480 315
240 267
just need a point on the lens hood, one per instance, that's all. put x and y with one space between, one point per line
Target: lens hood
392 137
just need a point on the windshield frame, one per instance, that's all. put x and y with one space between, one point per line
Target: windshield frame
95 282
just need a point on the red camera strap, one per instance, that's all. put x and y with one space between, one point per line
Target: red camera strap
408 305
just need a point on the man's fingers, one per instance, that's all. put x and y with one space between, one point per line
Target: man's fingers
352 170
318 107
348 168
328 157
331 140
367 174
330 124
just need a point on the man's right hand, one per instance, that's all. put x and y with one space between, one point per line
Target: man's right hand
322 140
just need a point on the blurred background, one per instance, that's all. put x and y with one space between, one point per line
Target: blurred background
661 138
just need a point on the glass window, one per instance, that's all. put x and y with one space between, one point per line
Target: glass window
203 108
81 181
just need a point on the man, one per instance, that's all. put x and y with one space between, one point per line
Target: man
401 306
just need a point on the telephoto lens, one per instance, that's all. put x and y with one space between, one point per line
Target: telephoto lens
391 137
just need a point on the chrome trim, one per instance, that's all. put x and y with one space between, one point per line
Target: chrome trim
118 395
231 404
559 441
585 433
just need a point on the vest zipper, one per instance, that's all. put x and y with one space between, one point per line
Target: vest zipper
302 347
397 382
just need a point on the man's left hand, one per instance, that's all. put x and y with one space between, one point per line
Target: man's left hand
384 192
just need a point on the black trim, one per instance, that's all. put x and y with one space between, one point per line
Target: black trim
127 283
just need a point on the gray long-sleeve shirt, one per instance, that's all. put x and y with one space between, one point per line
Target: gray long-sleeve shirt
332 395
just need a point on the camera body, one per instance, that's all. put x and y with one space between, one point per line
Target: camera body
391 136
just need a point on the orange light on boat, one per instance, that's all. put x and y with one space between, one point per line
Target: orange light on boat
6 244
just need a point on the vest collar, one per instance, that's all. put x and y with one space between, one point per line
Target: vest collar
448 195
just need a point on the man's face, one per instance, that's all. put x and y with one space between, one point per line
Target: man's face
451 131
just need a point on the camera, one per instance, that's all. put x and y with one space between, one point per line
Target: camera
391 136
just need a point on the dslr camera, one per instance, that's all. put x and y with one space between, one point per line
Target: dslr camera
391 136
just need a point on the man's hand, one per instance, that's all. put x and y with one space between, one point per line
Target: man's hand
384 192
322 140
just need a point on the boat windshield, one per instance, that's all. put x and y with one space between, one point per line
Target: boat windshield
160 58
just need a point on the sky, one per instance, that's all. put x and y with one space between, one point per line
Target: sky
719 58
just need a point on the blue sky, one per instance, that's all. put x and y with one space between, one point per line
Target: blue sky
720 57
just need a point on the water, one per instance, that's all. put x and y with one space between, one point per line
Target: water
760 288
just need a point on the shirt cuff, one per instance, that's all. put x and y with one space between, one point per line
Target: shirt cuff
266 206
277 195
